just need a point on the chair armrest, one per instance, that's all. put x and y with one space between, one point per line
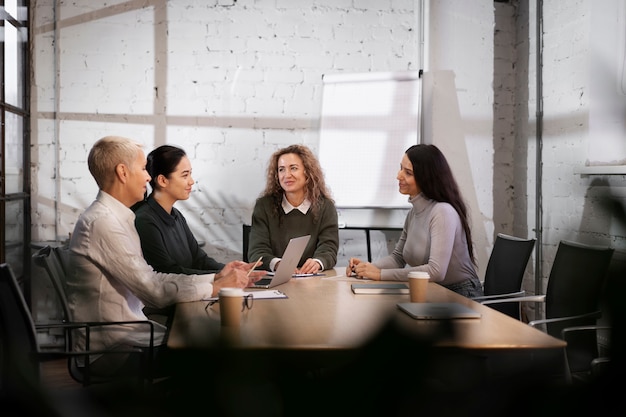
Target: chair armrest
88 325
482 298
50 355
595 314
573 329
598 364
527 298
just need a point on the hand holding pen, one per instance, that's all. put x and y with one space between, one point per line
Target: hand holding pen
253 266
234 275
246 271
351 268
254 276
359 269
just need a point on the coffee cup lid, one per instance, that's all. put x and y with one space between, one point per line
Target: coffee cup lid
231 292
419 274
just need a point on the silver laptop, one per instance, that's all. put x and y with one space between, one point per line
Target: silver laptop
287 265
438 311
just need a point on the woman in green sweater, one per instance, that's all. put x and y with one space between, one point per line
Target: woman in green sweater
295 202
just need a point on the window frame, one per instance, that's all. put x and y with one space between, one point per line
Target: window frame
18 253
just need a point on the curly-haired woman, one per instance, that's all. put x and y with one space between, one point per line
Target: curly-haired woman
295 202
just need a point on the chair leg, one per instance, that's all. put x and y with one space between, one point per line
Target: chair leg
568 373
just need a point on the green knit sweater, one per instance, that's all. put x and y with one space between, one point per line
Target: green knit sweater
270 233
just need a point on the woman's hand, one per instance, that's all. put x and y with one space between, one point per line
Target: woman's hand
311 266
351 268
246 268
365 270
359 269
235 277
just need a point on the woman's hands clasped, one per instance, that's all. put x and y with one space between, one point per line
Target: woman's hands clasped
364 270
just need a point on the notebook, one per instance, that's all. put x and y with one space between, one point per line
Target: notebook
380 288
288 263
438 311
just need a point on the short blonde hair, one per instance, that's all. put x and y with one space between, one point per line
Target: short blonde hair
107 153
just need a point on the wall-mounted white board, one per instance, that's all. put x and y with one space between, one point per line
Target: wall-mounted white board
368 120
607 86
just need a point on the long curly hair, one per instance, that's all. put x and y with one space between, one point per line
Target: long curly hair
434 177
316 190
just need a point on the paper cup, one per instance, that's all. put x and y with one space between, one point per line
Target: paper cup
231 304
418 286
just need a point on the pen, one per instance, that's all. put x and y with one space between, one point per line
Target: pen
351 265
255 265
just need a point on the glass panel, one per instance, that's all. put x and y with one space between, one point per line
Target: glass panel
17 9
15 44
14 235
11 7
13 61
14 154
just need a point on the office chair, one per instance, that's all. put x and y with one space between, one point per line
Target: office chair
246 241
575 286
19 366
505 272
19 350
54 262
572 299
586 362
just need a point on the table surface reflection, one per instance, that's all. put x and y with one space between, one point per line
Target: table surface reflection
322 313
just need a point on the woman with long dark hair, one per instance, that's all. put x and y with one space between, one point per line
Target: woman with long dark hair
167 243
436 236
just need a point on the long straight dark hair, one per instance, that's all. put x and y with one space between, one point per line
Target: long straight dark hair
163 161
434 177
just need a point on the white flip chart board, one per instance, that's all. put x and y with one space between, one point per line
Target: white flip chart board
368 121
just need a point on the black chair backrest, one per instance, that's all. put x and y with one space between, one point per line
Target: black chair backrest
18 340
50 260
55 261
246 238
575 284
505 270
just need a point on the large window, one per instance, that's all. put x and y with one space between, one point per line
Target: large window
14 137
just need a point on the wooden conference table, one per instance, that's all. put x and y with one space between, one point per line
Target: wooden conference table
325 348
321 313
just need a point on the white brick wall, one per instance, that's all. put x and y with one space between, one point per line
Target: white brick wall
232 82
